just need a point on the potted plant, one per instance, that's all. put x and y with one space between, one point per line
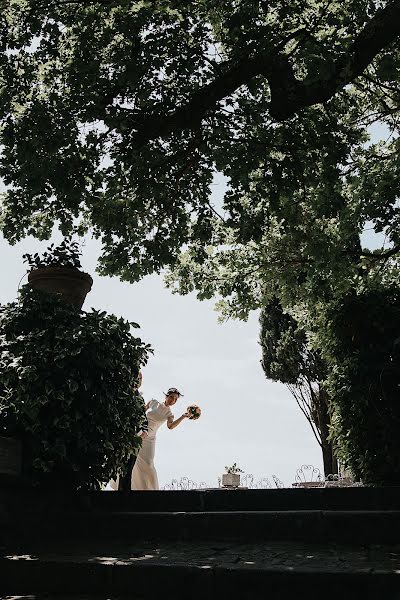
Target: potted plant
232 476
58 271
68 392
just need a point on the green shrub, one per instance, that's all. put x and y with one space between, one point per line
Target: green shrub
67 390
362 339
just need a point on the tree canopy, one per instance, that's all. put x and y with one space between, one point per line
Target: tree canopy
115 116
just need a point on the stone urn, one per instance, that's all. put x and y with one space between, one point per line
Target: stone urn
231 480
72 284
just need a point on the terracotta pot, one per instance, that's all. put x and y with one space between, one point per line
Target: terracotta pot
73 285
231 480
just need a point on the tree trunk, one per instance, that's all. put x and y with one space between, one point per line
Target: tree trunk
329 459
330 462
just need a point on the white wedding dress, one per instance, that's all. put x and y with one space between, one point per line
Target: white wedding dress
144 474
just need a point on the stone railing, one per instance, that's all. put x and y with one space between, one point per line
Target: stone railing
247 480
184 483
306 476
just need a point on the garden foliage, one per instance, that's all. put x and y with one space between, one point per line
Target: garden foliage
67 390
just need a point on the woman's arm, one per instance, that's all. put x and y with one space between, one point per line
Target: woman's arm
171 424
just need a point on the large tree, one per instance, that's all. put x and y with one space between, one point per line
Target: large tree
287 357
116 114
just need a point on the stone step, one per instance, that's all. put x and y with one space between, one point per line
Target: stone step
310 526
203 570
357 498
259 500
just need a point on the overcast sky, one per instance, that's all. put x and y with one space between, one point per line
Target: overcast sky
245 418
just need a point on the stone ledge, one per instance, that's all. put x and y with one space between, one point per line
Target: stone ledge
384 498
310 526
205 571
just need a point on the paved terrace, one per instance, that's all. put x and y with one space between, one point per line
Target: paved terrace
239 544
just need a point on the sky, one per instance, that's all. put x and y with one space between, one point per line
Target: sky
245 418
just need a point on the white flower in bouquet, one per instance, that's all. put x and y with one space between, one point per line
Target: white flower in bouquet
193 411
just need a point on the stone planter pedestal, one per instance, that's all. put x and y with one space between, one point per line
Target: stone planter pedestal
231 480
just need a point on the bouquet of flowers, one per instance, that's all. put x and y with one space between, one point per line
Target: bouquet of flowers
193 411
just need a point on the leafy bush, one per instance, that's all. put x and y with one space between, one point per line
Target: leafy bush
362 339
65 255
67 390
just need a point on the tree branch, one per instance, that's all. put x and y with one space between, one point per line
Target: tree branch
288 95
297 393
381 255
378 33
190 115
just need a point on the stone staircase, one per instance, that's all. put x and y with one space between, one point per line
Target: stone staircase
242 544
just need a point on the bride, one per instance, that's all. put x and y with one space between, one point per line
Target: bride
144 474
